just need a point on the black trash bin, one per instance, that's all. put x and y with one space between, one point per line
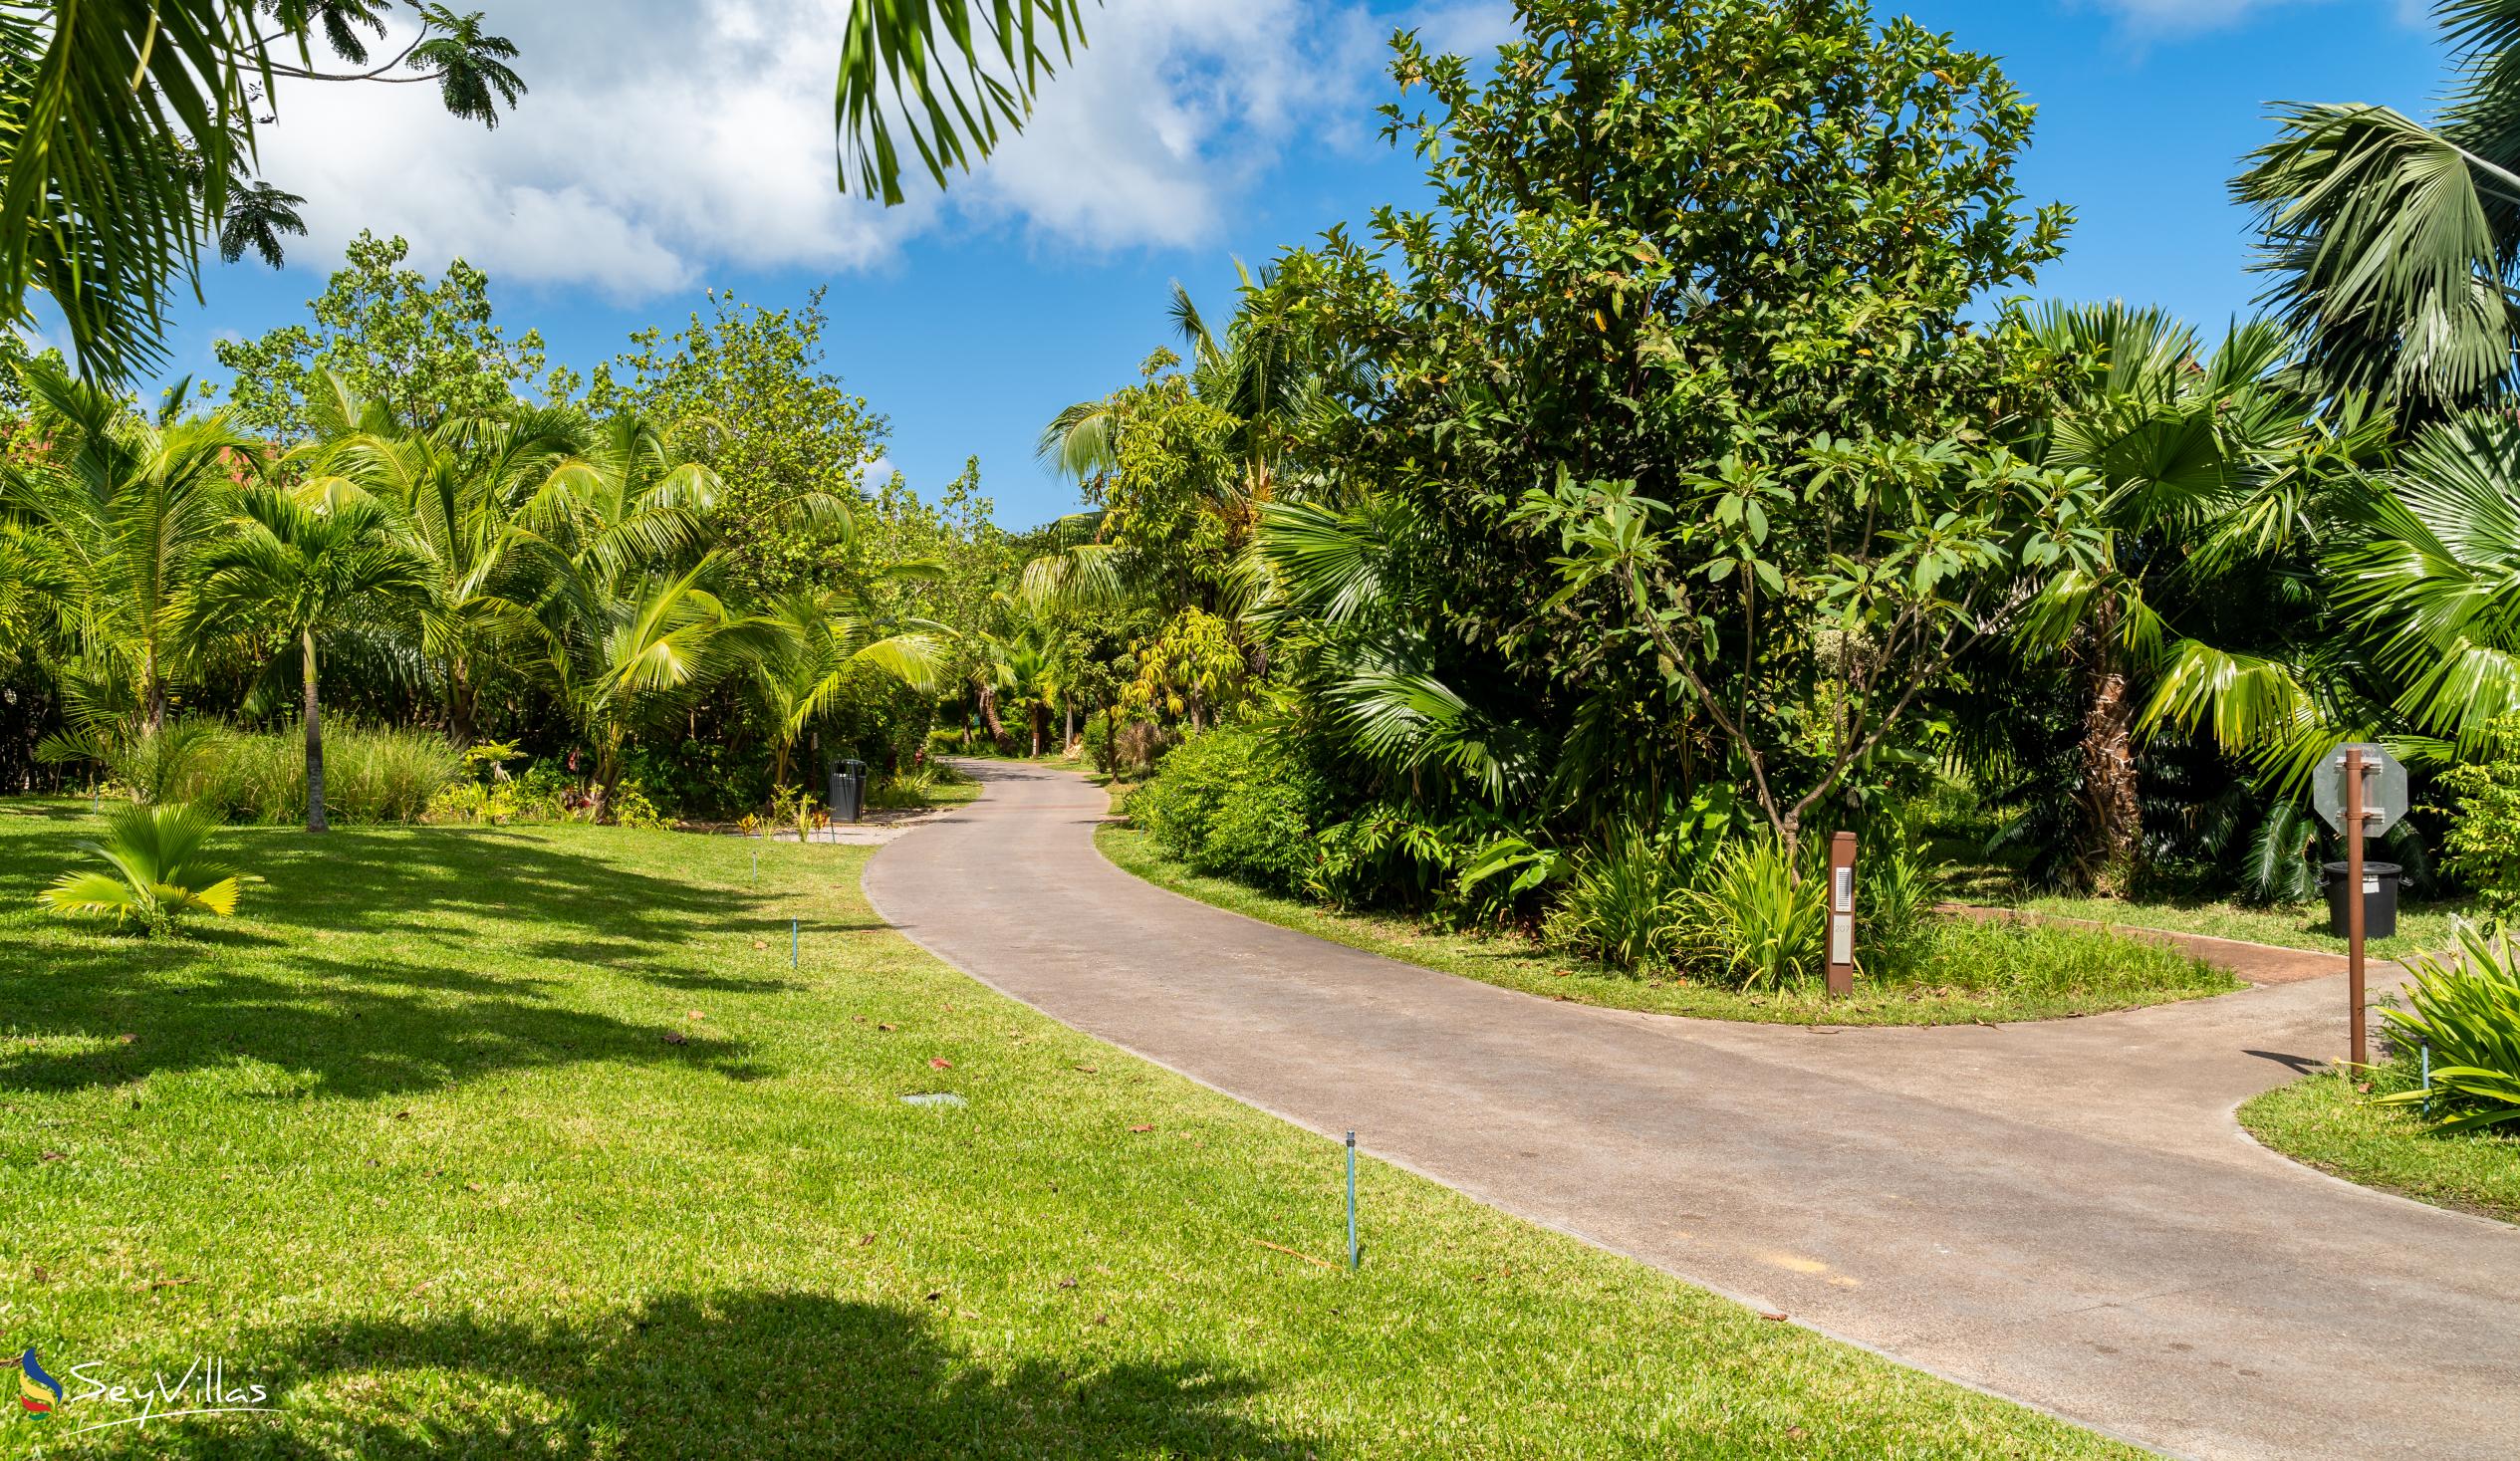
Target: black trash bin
2380 898
849 790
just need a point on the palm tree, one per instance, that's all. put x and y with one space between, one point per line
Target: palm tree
958 70
116 516
454 491
622 650
819 637
310 567
2393 246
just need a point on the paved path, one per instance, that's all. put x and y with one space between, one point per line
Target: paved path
2064 1213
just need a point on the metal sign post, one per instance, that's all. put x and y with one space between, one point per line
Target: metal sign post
2360 793
2355 910
1842 915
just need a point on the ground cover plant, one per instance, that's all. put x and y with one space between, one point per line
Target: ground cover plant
531 1141
1959 972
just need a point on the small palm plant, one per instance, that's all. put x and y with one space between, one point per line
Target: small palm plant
159 872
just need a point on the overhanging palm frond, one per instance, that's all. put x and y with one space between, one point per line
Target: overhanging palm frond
959 75
2436 575
2389 245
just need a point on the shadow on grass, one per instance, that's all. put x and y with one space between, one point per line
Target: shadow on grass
740 1375
446 1001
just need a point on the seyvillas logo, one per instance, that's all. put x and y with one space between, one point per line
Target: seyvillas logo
202 1390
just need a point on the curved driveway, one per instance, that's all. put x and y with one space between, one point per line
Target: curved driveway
2063 1213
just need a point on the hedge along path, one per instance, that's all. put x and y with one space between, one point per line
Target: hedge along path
2064 1213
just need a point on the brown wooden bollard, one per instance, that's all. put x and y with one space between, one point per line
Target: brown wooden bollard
1842 915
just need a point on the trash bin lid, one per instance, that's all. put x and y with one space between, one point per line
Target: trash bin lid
2369 869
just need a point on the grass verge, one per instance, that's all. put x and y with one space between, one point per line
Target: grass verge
1986 972
2324 1123
2421 926
531 1141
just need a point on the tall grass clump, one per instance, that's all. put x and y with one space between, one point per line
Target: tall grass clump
1622 904
1758 917
369 776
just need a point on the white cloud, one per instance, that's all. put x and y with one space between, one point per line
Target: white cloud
664 138
2173 19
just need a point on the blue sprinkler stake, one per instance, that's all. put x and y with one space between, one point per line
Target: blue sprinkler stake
791 943
2428 1079
1351 1202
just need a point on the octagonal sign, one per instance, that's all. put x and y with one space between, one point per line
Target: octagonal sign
2383 789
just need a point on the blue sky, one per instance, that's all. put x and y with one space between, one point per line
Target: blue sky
676 146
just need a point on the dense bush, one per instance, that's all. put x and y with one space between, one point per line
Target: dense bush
1241 802
369 776
877 719
2484 843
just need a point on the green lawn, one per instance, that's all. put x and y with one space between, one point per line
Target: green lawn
2421 926
2330 1125
2017 973
531 1142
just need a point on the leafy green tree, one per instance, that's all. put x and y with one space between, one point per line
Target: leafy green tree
308 568
1655 342
427 353
746 390
132 127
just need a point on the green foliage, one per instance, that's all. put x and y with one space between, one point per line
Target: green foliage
960 73
1757 417
746 392
161 872
1624 905
132 130
2483 844
2389 243
1239 801
430 351
1757 918
2466 1004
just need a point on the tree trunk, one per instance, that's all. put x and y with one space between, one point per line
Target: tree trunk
988 716
1067 741
153 699
1040 713
314 738
460 703
2113 815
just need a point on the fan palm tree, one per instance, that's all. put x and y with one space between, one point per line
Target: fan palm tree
2393 246
309 567
961 73
2435 579
115 515
2175 444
